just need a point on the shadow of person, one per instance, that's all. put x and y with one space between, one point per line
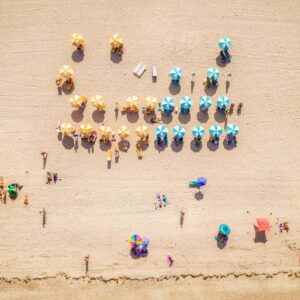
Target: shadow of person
160 147
227 146
68 142
166 119
202 116
132 117
195 146
77 55
199 196
260 236
220 116
227 86
115 57
211 90
176 146
184 118
174 88
221 243
44 161
66 91
212 146
98 116
192 86
105 146
77 115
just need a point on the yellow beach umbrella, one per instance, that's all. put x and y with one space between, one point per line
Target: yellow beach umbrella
98 102
123 132
151 102
77 39
133 102
86 129
116 40
66 71
66 128
75 101
105 131
142 131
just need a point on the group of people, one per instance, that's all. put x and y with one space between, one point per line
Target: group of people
51 177
161 201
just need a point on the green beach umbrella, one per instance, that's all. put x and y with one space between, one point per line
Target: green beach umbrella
198 131
186 102
205 102
178 132
213 73
232 130
215 130
225 43
223 102
224 229
161 131
176 73
168 103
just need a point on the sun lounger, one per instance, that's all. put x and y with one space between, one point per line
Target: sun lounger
137 68
141 71
194 183
109 155
154 71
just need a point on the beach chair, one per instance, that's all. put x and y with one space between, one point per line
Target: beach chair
141 70
137 68
109 155
154 71
194 183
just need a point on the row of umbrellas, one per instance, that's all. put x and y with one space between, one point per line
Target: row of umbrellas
176 73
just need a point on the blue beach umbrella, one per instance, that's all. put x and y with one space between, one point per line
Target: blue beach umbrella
168 104
201 181
213 73
205 102
186 102
225 229
223 102
178 132
161 131
225 43
232 130
215 130
198 131
176 73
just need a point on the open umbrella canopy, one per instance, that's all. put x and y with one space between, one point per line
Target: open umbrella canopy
151 102
12 188
176 73
142 131
198 131
178 132
161 131
224 229
132 102
225 43
105 131
123 132
201 181
77 100
223 102
215 130
168 104
116 40
263 224
86 129
98 102
66 128
213 73
135 241
186 102
66 71
232 130
205 102
77 39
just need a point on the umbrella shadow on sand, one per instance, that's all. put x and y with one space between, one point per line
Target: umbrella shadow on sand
66 91
77 115
132 117
221 243
68 142
199 195
148 117
227 146
212 147
195 147
220 116
78 55
115 57
98 116
176 147
184 118
174 88
105 146
161 147
211 90
166 119
87 145
202 116
260 236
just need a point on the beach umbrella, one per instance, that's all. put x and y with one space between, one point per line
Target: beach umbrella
178 132
66 71
76 101
105 131
135 241
77 39
151 102
224 229
232 130
86 129
225 43
123 132
186 102
198 131
201 181
223 102
161 131
176 73
205 102
98 102
132 102
142 131
263 225
215 130
12 188
66 128
213 73
168 103
116 40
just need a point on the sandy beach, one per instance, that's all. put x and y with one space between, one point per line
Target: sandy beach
94 209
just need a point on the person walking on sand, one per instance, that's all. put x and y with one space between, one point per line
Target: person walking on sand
170 260
86 260
43 211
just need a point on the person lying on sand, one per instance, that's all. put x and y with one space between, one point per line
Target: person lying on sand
58 80
49 178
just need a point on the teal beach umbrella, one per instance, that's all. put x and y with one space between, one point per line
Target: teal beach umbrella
232 130
178 132
198 131
225 43
223 102
224 229
161 131
205 102
213 73
186 102
215 130
168 103
176 73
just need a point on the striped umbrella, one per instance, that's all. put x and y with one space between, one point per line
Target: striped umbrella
198 131
66 71
178 132
205 102
77 101
213 73
135 241
186 102
161 131
123 132
98 102
133 102
86 129
215 130
142 131
232 130
105 131
176 73
168 103
77 39
225 43
223 102
66 128
151 102
116 40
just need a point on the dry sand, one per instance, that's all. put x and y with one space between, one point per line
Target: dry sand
94 210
